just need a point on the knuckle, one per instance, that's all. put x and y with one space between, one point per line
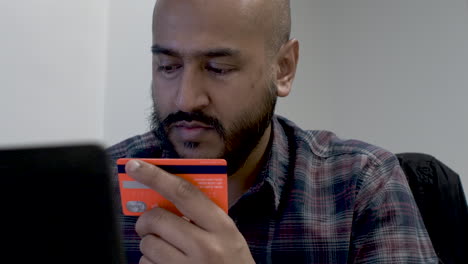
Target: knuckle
185 190
216 249
145 223
227 225
156 216
210 251
145 260
140 227
239 245
154 180
153 248
150 246
144 245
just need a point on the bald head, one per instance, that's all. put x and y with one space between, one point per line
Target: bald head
275 17
269 18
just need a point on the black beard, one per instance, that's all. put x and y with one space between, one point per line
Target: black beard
239 142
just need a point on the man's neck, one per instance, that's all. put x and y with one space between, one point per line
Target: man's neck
244 178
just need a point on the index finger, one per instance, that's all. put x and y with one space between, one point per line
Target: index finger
188 199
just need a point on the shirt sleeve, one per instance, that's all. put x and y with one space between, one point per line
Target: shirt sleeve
387 225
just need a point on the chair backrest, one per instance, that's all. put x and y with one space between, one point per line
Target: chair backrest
441 200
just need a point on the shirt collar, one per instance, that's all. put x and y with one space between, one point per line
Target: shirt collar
270 182
277 167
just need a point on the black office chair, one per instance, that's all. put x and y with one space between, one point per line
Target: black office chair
441 200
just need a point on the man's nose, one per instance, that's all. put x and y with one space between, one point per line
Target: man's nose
191 95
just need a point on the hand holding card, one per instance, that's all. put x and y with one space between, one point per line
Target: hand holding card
209 175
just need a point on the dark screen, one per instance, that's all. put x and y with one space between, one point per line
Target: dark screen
57 206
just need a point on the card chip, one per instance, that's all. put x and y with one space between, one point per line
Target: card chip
136 206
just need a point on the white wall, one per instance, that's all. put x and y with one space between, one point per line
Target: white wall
128 97
52 70
393 73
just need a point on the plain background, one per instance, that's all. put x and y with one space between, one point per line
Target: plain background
392 73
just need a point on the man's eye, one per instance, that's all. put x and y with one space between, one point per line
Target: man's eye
168 68
218 71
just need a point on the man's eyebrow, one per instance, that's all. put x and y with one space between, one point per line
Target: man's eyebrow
219 52
156 49
210 53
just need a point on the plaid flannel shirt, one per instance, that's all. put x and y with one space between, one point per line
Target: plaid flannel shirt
318 199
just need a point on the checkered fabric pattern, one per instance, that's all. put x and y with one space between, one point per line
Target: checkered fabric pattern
318 199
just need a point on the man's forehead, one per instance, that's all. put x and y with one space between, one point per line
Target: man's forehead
232 4
200 26
229 12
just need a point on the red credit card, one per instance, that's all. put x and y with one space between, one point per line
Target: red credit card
209 175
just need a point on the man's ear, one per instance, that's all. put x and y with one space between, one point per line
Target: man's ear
286 65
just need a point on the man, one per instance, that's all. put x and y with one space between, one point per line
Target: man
295 196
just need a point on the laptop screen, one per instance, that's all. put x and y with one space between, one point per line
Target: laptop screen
57 206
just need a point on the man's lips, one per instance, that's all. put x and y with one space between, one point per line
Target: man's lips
191 131
191 125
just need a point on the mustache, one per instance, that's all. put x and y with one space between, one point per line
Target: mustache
194 116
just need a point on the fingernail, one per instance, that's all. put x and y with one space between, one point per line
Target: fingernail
133 165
